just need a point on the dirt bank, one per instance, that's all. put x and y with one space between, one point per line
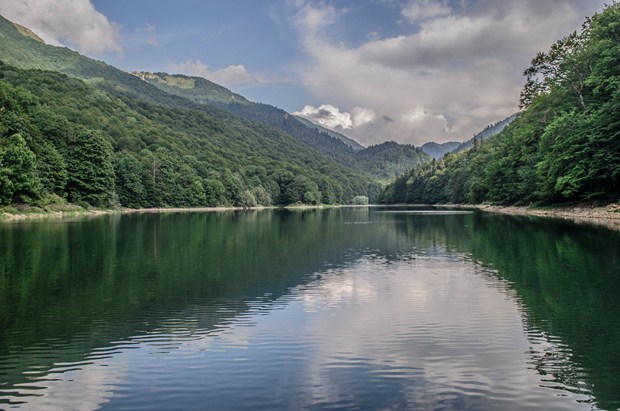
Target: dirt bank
608 216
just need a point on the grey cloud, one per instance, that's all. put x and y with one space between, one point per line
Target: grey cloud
323 114
449 78
458 41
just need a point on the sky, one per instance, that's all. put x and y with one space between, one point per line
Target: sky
410 71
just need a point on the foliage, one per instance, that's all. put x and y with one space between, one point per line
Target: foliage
90 169
18 178
384 161
92 147
185 151
563 146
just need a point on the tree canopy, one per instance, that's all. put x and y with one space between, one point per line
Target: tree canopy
564 144
62 136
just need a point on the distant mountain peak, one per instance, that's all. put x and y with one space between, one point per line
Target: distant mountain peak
488 132
438 150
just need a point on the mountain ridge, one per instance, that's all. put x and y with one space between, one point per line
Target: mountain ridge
383 165
157 149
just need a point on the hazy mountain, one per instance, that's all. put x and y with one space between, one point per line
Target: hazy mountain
488 132
437 150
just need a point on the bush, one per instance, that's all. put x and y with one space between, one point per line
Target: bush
360 200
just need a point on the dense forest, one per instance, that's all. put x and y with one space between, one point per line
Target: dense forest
564 145
64 139
97 136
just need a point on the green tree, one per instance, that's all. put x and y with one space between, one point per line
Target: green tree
129 187
262 196
91 173
247 199
234 187
19 182
52 169
215 193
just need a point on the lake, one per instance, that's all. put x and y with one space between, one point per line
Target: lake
345 308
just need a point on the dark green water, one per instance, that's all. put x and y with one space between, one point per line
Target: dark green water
355 308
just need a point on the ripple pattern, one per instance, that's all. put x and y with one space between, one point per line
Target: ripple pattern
430 332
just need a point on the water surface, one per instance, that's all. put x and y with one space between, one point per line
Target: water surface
354 308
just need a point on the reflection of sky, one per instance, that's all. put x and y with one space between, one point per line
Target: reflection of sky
426 333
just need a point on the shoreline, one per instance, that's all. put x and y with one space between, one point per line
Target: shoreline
71 211
608 216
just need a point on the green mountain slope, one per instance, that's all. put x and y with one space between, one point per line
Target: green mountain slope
203 91
112 138
23 51
390 159
376 162
563 147
437 151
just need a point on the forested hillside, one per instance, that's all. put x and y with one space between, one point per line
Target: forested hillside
384 162
61 138
564 144
99 136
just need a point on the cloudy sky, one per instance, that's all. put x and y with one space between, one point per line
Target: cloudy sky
406 70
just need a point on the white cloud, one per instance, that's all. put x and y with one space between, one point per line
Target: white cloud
312 18
361 116
453 72
327 116
232 75
423 9
330 116
75 23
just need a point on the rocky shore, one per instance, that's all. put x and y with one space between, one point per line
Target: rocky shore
608 216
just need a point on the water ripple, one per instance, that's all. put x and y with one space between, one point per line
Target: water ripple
459 341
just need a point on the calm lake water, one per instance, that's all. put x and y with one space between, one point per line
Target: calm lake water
352 308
